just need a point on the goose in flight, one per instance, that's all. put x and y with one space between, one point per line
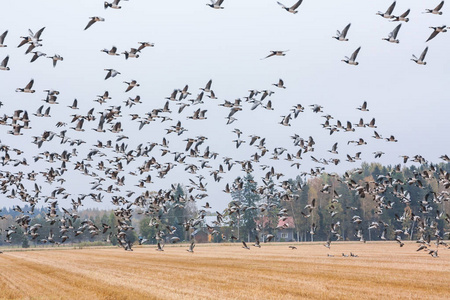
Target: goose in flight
216 5
4 64
114 4
145 44
276 53
352 59
436 31
131 85
436 10
93 20
388 14
420 60
55 59
27 88
293 8
2 39
402 17
280 84
36 55
111 73
132 53
112 51
363 107
393 35
341 36
207 88
391 139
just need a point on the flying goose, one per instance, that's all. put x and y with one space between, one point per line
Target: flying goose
4 64
393 35
28 87
293 8
132 53
131 85
436 31
111 73
36 55
420 60
275 53
341 36
2 39
352 59
377 136
207 88
216 5
93 20
436 10
112 51
114 4
55 59
363 107
280 84
402 17
388 14
391 139
145 44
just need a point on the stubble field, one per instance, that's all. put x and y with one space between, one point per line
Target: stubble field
381 271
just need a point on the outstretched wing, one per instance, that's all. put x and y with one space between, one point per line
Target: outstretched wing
281 4
30 84
38 34
405 14
424 53
395 32
435 33
5 62
92 21
439 6
2 37
390 9
355 54
344 32
296 5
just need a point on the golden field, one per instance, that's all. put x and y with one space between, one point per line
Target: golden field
381 271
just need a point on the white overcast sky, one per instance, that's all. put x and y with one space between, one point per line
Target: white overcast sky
194 43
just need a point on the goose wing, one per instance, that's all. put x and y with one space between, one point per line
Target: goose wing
281 4
355 54
92 21
208 85
424 53
5 61
405 14
2 37
30 84
391 8
344 32
439 6
395 32
38 34
433 34
296 5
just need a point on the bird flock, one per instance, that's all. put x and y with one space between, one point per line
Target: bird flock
122 171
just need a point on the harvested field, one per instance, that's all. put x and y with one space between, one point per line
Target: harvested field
381 270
